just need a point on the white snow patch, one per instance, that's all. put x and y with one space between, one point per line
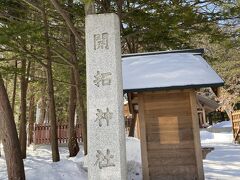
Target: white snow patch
134 162
208 137
222 163
224 126
39 165
133 150
62 170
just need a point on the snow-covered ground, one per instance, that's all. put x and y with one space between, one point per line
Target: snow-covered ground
225 126
223 163
39 166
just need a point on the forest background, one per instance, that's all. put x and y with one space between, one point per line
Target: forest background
42 52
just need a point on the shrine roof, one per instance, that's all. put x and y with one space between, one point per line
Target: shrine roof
167 70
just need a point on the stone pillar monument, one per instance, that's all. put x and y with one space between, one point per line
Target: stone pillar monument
106 131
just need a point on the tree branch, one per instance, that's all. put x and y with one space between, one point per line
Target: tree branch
67 20
33 5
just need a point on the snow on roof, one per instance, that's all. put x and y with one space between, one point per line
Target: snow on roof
209 104
176 70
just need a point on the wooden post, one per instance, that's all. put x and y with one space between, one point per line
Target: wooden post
132 111
137 127
143 139
196 135
236 125
204 117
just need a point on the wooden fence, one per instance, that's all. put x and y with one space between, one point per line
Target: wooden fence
236 125
42 133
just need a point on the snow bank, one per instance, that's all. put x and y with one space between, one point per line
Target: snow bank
223 162
134 167
208 137
133 150
224 126
62 170
1 149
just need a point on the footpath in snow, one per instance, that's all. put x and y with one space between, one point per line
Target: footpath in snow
221 164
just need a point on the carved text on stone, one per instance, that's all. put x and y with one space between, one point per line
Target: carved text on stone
101 41
103 116
103 79
104 160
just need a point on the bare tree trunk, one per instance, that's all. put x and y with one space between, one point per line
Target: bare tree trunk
134 116
72 144
89 9
52 115
31 118
51 100
10 141
23 107
43 104
14 88
82 111
31 112
78 83
132 126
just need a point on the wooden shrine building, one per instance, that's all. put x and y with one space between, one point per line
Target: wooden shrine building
161 88
204 107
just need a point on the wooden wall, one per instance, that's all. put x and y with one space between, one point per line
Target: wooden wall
169 142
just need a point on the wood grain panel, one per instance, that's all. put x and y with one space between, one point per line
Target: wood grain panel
167 112
172 160
167 105
178 177
181 145
174 137
172 170
151 126
169 136
173 153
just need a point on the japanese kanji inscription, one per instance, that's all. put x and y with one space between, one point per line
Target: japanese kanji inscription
101 41
104 161
103 79
106 132
103 116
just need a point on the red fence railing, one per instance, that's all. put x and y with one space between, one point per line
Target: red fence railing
42 133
